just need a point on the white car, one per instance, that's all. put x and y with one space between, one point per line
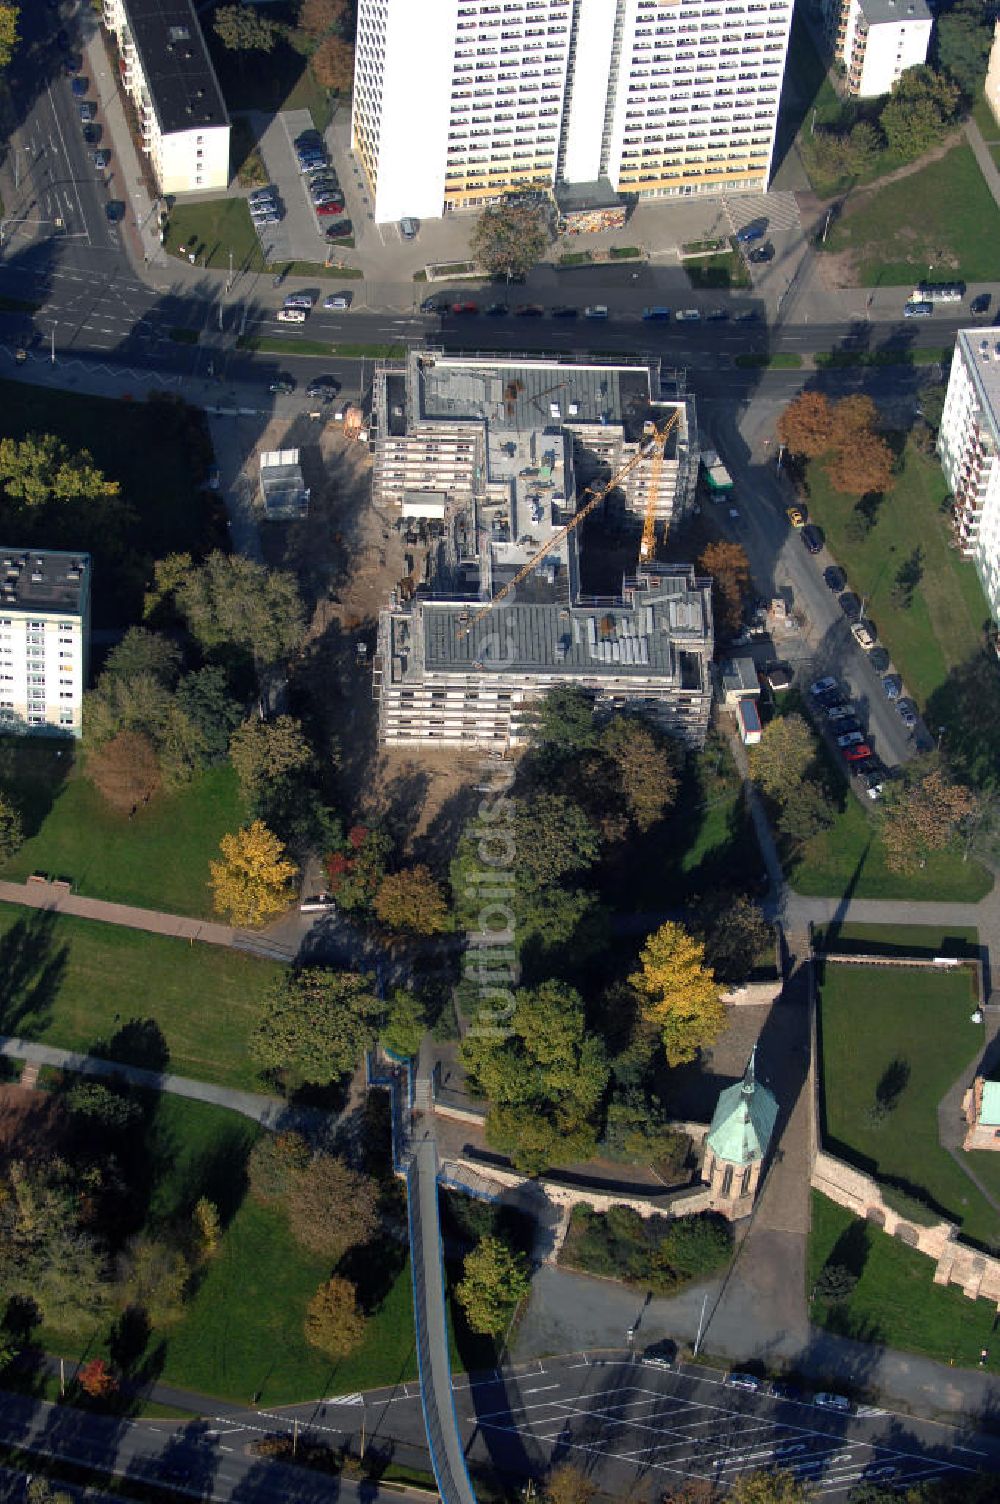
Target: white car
596 311
336 300
688 315
863 636
738 1380
300 300
291 316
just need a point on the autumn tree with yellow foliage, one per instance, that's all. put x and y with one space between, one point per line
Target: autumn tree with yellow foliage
679 994
251 883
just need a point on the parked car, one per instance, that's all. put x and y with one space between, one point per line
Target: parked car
326 210
433 305
755 230
860 752
408 227
80 86
282 385
873 781
264 195
91 134
337 300
781 1389
846 726
663 1353
656 313
306 164
291 315
496 310
835 577
688 315
850 605
832 1402
339 231
892 685
114 209
908 714
850 739
323 196
879 660
565 311
739 1380
463 308
761 254
88 112
101 157
812 539
748 316
918 310
863 635
325 387
823 686
529 311
795 516
596 311
980 304
839 712
717 315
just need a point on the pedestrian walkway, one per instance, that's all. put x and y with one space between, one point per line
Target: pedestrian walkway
269 1112
983 155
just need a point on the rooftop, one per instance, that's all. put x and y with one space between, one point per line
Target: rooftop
743 1121
876 12
990 1114
981 349
176 64
44 580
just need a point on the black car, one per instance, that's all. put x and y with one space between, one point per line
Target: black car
282 385
879 660
340 230
981 304
115 210
565 311
748 316
762 253
812 538
91 134
88 111
850 605
835 578
325 387
716 315
431 305
781 1389
496 310
529 311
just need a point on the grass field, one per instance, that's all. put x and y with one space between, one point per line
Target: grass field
782 361
726 270
157 860
939 223
895 1302
944 624
72 982
900 1037
897 939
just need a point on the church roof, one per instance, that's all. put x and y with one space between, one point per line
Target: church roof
744 1120
990 1113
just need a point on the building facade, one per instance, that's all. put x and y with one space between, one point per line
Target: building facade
968 445
877 40
457 102
44 640
168 75
991 87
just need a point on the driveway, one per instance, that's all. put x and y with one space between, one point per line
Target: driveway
298 236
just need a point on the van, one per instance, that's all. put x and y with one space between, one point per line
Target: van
656 313
291 316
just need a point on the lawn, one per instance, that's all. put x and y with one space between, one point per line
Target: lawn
895 1302
944 624
159 859
211 230
72 982
897 939
725 270
900 1038
940 223
146 447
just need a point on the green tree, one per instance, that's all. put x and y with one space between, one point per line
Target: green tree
735 933
102 1107
775 1486
206 1228
232 601
552 839
143 652
331 1207
275 1160
806 814
45 1255
266 752
355 874
11 829
835 1284
154 1278
315 1025
643 760
40 469
921 106
680 996
563 720
495 1281
242 28
203 697
781 758
405 1024
334 1321
638 1131
40 1491
508 239
963 36
9 15
412 900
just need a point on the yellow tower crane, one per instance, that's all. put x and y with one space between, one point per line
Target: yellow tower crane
648 545
646 449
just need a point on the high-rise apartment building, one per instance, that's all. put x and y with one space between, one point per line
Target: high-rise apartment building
969 446
44 640
877 40
457 102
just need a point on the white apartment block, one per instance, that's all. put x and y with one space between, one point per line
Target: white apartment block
992 84
969 447
44 640
167 73
877 40
457 102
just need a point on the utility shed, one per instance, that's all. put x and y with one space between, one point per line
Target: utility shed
739 678
282 489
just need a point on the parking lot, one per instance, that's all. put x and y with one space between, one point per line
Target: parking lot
298 236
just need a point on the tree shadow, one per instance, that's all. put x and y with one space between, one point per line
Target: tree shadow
139 1042
891 1085
32 775
32 968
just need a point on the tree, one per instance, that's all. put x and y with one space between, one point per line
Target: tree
779 761
922 103
334 1322
143 652
355 875
125 771
806 425
412 900
232 601
97 1380
643 761
252 881
680 996
967 706
552 839
563 719
637 1131
101 1107
920 815
405 1024
203 698
509 239
835 1284
495 1281
839 154
40 1491
264 752
315 1025
333 64
775 1486
735 933
331 1207
963 37
154 1278
317 17
862 466
275 1160
806 814
206 1227
40 469
729 567
9 38
45 1255
11 829
242 28
566 1484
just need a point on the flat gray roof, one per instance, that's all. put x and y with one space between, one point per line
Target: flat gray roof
877 11
44 580
981 350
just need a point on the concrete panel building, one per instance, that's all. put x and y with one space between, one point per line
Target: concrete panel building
44 640
457 102
992 84
968 445
877 40
167 73
489 456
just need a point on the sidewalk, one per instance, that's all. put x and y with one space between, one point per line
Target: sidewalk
984 157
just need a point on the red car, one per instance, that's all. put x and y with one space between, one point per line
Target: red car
465 307
858 752
329 208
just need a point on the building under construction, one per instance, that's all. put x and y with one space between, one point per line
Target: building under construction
491 460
